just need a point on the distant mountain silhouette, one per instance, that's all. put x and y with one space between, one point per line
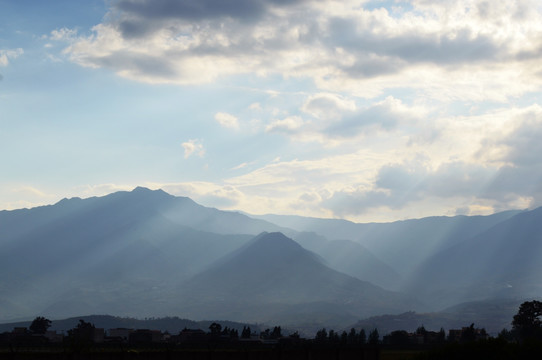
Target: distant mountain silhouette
146 253
351 258
400 244
503 261
272 274
102 253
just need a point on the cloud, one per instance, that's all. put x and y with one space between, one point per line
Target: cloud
193 147
9 54
288 125
328 106
341 46
523 143
63 34
240 166
255 106
227 120
514 139
334 119
385 115
412 106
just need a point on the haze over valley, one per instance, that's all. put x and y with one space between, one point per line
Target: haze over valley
146 253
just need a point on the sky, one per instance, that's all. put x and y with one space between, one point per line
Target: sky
362 110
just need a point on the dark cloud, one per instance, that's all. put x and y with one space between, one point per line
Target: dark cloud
378 54
400 178
344 203
295 38
511 182
399 185
142 64
521 147
194 10
141 17
524 144
368 68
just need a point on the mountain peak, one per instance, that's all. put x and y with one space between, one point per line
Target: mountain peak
144 190
274 243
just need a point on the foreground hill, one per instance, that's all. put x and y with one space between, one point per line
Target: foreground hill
173 325
272 278
493 315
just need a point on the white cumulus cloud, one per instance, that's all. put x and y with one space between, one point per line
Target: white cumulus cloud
9 54
193 147
227 120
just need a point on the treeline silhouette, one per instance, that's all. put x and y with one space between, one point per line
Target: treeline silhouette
523 340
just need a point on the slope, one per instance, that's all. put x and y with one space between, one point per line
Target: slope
274 278
503 261
401 244
351 258
106 254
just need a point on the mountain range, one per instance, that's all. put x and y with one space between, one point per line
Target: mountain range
146 253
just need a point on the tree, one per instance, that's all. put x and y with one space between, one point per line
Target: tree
215 329
374 337
295 335
352 336
344 338
40 325
265 334
245 334
441 337
277 333
527 323
399 337
321 335
506 335
468 334
362 337
82 335
421 330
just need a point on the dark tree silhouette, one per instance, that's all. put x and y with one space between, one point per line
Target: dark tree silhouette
295 335
362 338
344 338
333 337
40 325
321 335
399 337
353 337
374 337
441 338
421 330
82 330
82 336
527 322
468 334
215 328
245 334
276 333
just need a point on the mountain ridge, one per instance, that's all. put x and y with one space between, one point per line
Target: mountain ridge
131 252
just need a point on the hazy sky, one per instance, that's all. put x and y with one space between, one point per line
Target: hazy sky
366 110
